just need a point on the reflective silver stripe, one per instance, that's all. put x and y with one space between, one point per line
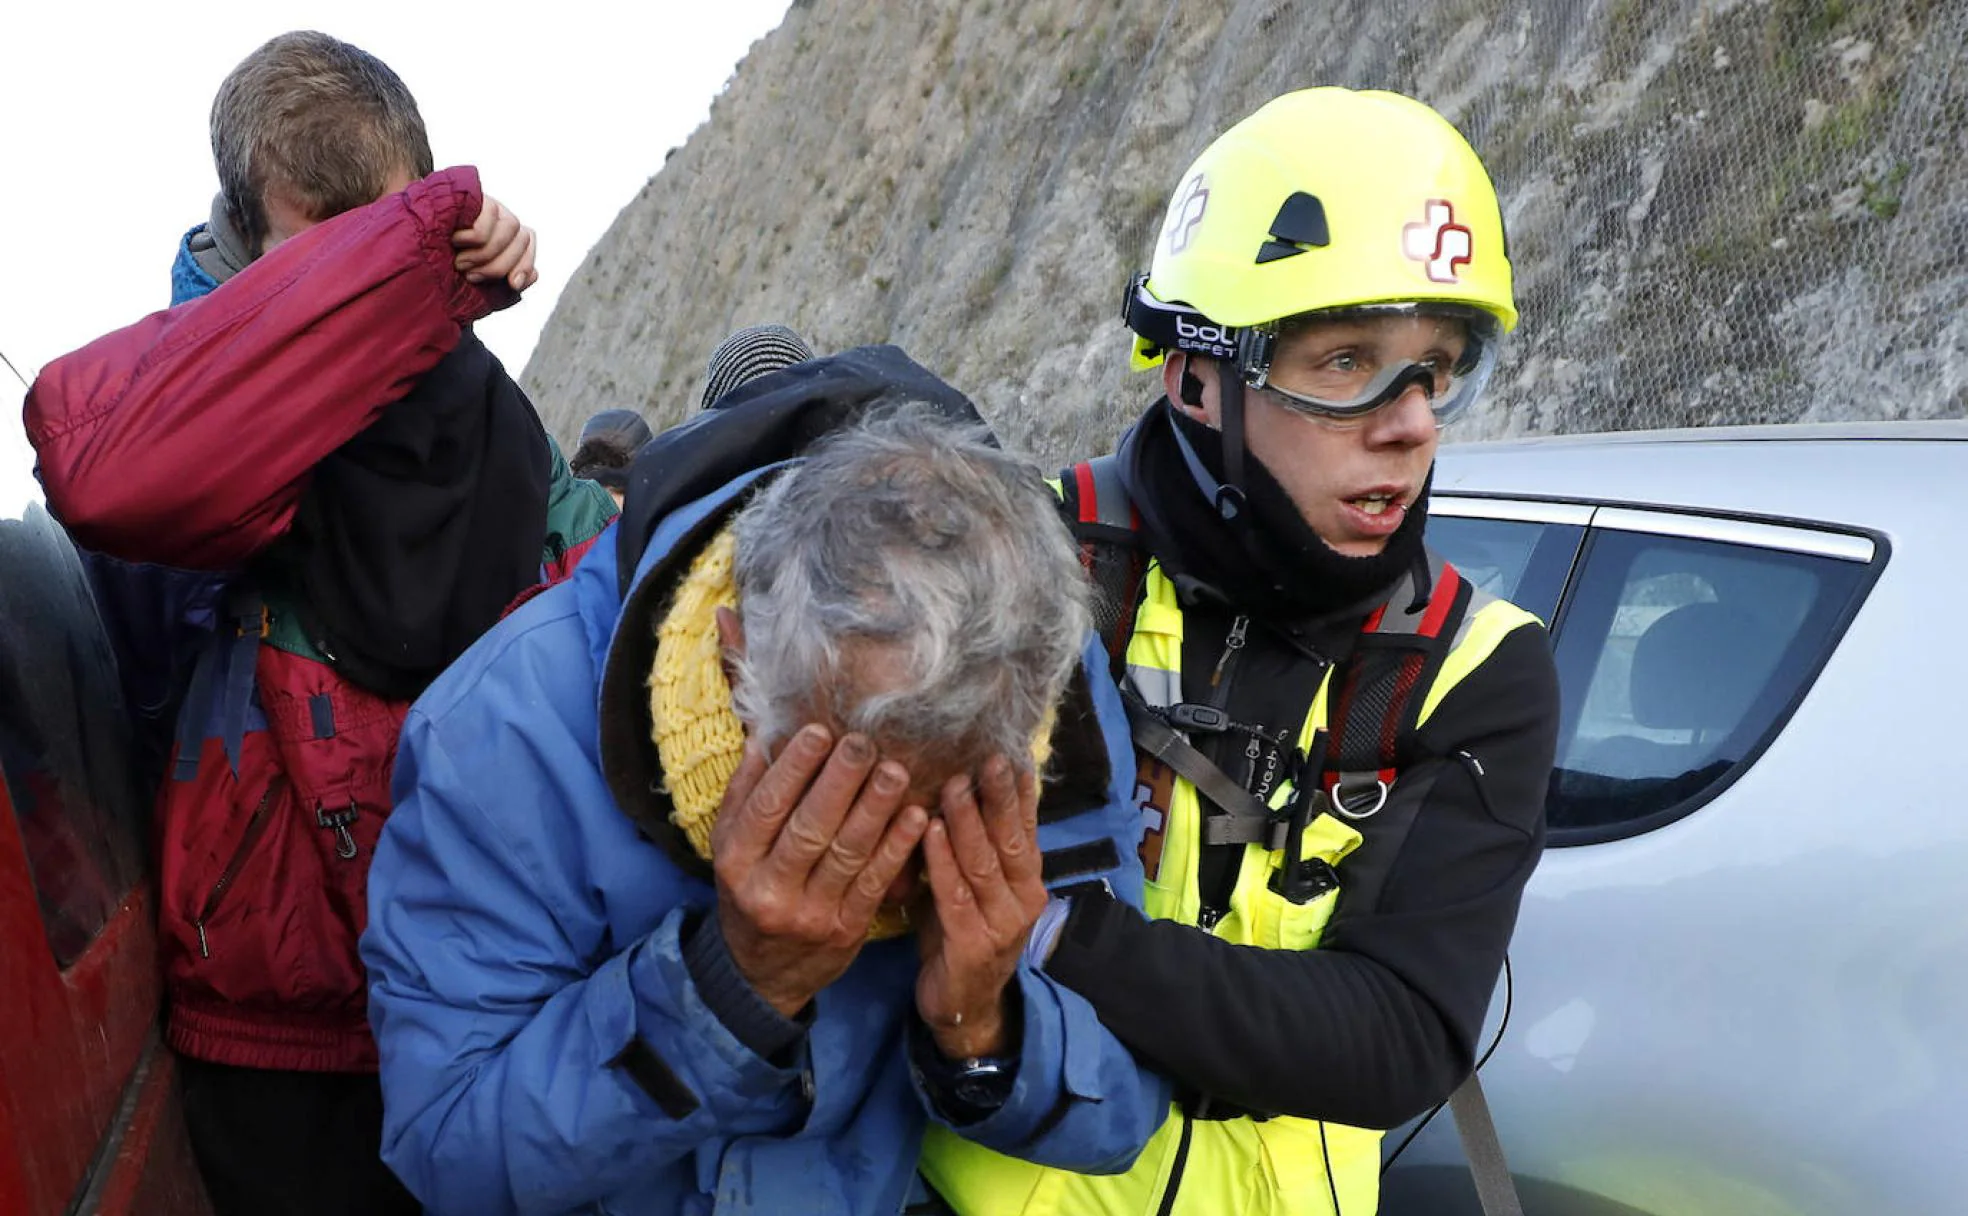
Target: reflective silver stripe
1111 505
1396 603
1158 688
1233 829
1398 618
1479 599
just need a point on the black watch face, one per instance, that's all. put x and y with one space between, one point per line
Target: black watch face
988 1089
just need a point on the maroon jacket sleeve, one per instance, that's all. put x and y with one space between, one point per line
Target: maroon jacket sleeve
186 439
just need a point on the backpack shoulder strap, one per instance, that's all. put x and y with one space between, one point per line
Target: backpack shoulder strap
222 692
1380 689
1372 723
1102 518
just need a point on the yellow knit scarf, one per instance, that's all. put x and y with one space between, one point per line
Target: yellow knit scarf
699 738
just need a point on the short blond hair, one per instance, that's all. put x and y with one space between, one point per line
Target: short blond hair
323 123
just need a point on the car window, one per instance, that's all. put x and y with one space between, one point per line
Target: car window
1678 658
1525 562
65 752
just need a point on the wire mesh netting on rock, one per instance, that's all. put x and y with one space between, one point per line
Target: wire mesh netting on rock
1720 211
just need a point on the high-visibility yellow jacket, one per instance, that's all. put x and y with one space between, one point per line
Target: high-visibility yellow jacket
1196 1165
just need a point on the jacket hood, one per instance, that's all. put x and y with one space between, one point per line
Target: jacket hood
771 418
208 255
683 486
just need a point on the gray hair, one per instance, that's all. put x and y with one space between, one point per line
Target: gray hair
910 541
325 123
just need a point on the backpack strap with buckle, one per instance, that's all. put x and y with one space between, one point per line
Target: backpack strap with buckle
1378 696
1242 819
1102 518
1378 690
223 680
1376 712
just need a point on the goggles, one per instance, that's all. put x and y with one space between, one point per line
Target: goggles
1331 394
1364 377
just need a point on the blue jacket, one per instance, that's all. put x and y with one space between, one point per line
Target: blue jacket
525 934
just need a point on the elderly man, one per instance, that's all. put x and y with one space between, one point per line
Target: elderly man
712 872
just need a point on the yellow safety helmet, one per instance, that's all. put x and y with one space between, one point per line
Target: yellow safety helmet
1325 200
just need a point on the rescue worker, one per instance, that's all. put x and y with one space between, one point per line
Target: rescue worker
1343 745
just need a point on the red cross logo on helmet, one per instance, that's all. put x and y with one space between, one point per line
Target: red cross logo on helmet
1438 242
1187 213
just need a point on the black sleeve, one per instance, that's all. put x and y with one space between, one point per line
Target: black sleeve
1380 1023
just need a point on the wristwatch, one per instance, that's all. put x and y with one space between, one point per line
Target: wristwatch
983 1082
970 1089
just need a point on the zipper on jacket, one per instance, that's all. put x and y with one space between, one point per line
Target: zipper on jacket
1175 1171
1216 904
1232 644
254 827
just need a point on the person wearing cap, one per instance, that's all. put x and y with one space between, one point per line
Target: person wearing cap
712 872
1343 745
748 354
611 439
609 442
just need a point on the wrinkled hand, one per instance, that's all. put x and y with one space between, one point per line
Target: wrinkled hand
986 891
806 847
496 246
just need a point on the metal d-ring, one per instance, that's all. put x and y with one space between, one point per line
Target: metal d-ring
1339 802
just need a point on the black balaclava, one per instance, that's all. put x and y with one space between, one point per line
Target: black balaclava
1264 559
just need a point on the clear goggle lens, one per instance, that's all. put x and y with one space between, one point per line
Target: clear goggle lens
1352 385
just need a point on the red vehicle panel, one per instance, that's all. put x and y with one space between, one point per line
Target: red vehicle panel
89 1117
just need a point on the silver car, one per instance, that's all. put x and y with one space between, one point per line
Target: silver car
1739 984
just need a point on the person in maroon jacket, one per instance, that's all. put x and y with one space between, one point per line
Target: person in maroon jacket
304 490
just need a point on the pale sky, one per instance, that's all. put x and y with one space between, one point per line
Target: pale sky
566 106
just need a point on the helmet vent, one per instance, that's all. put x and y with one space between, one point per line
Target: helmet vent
1301 224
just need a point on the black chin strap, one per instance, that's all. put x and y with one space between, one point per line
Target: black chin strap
1218 493
1226 496
1229 497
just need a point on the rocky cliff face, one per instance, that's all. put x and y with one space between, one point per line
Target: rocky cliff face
1719 210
